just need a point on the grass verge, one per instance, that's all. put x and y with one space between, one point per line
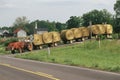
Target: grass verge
87 54
2 50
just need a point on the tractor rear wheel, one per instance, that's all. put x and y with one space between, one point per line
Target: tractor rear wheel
30 46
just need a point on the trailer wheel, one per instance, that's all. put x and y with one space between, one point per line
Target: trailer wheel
40 47
71 41
83 39
55 44
13 51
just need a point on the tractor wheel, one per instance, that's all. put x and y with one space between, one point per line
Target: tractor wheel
30 46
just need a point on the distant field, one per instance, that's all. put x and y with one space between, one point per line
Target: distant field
87 54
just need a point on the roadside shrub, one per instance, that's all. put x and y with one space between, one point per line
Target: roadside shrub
2 50
115 36
102 37
9 41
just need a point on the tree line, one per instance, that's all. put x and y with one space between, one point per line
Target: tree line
92 17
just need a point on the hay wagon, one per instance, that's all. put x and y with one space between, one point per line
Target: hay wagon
47 38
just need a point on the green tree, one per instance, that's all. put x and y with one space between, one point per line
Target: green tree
117 16
60 26
51 26
21 21
107 17
5 28
74 22
97 17
47 24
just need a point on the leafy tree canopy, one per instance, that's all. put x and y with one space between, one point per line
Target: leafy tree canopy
20 22
74 22
117 16
97 17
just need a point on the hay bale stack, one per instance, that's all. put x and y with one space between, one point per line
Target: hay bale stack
37 39
101 28
62 34
77 33
94 29
108 28
67 35
85 31
55 36
47 37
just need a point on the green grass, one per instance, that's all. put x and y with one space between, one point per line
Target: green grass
87 54
2 50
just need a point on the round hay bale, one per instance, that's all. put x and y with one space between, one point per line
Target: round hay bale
101 28
67 35
55 36
85 31
94 29
37 39
108 29
47 37
77 33
63 37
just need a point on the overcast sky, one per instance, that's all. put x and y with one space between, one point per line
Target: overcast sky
52 10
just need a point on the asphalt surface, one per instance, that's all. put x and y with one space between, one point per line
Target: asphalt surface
13 74
21 69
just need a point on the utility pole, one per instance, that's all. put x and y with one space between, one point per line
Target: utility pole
35 28
90 24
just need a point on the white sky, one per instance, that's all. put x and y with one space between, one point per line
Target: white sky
52 10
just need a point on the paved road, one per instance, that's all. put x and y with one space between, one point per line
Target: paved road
7 73
21 69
